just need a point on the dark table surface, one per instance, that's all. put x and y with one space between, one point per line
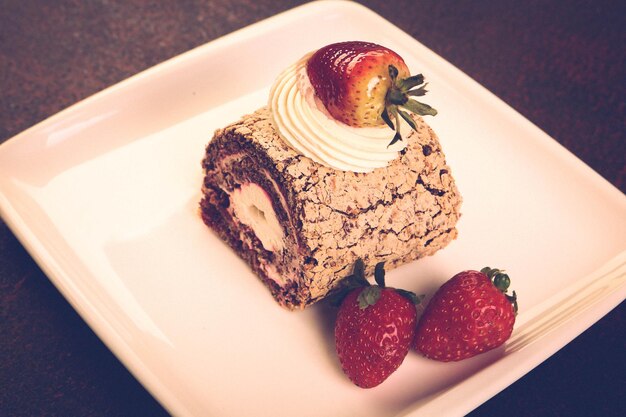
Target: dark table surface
559 63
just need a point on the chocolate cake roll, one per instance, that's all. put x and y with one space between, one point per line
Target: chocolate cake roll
301 225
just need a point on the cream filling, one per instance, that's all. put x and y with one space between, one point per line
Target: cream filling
304 123
253 207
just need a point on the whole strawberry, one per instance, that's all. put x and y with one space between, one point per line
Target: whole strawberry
470 314
374 330
363 84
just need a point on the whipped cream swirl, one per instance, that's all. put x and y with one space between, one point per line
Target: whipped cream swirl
305 125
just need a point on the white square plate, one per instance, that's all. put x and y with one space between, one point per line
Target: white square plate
104 196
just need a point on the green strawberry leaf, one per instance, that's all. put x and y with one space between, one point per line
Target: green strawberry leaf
393 111
486 270
411 296
408 119
499 278
393 72
502 281
399 94
359 269
395 139
513 299
410 82
419 108
385 116
418 91
369 296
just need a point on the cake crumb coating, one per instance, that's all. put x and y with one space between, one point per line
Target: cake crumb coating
396 214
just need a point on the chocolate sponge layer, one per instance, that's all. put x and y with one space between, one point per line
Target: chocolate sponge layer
329 218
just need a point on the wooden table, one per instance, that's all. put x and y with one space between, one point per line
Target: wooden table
559 63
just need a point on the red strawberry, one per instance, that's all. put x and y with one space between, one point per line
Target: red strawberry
468 315
374 330
363 84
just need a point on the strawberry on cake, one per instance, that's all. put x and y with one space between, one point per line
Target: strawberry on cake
339 166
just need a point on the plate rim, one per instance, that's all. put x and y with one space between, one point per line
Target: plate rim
126 354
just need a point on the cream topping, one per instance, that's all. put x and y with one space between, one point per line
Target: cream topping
304 123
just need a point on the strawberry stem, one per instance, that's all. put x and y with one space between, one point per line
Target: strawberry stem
502 282
379 274
398 96
379 277
355 280
370 293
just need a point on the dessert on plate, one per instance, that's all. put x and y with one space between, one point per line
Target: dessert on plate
339 166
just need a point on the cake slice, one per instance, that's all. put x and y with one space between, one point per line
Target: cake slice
301 225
